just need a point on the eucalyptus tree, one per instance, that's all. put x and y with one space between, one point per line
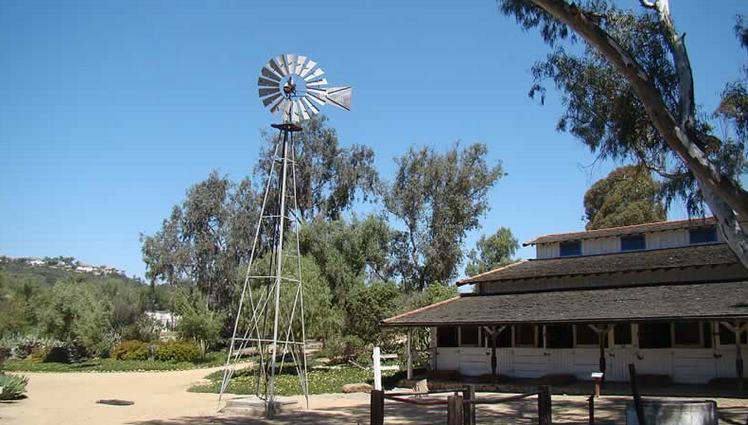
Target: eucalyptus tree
629 94
438 198
205 239
329 178
626 196
492 251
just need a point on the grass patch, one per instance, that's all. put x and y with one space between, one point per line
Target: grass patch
321 381
112 365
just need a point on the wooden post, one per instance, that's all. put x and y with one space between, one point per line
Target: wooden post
494 363
469 410
591 409
455 410
602 333
409 348
377 407
545 416
637 398
376 360
738 355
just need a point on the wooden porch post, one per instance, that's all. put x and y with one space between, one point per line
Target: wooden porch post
602 333
409 348
494 332
737 329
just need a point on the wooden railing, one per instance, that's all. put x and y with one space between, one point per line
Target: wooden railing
460 405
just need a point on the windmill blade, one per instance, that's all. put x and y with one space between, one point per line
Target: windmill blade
270 74
290 61
317 95
316 75
264 82
318 83
300 109
282 106
300 61
267 92
277 65
308 67
313 110
270 99
340 96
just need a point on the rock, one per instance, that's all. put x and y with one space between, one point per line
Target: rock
357 388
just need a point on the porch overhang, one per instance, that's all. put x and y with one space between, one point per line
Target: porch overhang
681 302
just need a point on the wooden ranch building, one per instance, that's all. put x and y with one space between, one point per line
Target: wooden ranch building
669 297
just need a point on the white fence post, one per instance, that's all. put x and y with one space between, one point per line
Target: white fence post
377 370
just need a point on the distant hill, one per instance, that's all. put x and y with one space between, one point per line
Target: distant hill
48 270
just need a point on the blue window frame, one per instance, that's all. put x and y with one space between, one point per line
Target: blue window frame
633 243
570 248
702 235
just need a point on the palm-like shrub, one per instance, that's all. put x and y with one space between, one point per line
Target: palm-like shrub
12 387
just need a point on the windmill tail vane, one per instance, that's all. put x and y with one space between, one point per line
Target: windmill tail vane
293 87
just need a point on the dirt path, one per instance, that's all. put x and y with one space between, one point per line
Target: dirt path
161 398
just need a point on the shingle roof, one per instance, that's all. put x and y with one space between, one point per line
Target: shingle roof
689 256
709 301
624 230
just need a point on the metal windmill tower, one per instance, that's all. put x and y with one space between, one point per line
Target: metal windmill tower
270 317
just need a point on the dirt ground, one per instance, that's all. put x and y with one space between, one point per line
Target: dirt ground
161 399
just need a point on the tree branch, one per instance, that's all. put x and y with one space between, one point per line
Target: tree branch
677 138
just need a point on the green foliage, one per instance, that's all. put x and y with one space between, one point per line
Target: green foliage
627 196
205 239
348 253
322 319
198 322
367 307
329 178
439 198
341 349
491 252
131 350
145 328
602 109
72 313
113 365
178 351
321 381
12 387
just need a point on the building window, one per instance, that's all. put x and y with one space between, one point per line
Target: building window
585 335
469 336
687 334
702 235
559 336
570 248
706 329
524 336
633 243
655 335
446 336
622 334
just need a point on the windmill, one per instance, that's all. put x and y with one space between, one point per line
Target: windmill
270 318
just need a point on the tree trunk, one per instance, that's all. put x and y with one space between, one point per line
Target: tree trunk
726 199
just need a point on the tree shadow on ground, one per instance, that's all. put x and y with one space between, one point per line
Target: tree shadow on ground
608 410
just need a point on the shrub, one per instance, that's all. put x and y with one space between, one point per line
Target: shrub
178 351
349 347
12 386
39 353
131 350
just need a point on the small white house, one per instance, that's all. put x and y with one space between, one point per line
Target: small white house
669 297
166 319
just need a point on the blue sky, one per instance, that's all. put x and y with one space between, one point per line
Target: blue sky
110 110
